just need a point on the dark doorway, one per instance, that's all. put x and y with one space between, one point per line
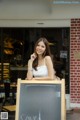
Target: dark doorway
16 45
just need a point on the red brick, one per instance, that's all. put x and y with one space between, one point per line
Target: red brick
74 63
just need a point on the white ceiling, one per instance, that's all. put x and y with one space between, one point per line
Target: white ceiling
49 1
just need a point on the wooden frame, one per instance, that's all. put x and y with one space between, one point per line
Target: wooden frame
61 82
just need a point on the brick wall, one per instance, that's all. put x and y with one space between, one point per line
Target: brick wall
75 60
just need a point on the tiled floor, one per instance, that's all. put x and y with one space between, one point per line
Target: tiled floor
73 116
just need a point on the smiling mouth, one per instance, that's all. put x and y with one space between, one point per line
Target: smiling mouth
39 51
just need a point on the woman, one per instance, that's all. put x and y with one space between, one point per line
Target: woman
40 66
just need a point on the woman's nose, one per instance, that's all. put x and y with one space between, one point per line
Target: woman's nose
39 47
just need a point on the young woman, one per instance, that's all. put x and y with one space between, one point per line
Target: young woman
40 65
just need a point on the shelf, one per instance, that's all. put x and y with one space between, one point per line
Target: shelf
6 71
18 68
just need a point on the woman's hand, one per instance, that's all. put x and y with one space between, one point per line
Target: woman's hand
33 78
33 56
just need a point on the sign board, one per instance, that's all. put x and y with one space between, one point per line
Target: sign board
77 54
63 54
40 100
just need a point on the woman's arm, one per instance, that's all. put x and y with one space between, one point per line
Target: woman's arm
29 70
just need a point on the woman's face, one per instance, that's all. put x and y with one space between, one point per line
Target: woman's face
40 48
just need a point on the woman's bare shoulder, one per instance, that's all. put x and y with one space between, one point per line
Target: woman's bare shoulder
47 58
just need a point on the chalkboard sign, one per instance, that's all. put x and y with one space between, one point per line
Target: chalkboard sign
40 100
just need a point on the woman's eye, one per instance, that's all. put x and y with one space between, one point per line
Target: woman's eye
42 46
37 45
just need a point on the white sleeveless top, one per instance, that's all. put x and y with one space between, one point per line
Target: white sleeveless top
42 71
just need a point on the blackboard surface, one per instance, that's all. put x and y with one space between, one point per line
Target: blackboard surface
40 102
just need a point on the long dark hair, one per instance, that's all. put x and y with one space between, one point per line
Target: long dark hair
46 53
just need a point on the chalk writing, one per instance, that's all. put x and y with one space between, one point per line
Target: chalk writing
28 117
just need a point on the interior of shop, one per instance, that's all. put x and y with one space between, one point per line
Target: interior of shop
16 45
